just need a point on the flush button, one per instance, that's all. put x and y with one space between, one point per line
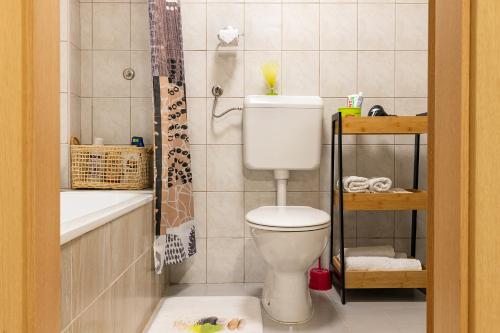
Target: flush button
128 74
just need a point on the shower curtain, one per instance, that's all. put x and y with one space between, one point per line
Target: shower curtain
173 204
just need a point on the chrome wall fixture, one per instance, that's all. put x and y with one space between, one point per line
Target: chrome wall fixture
217 91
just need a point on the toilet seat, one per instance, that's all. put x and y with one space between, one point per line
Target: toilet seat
288 218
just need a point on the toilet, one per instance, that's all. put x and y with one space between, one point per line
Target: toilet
283 133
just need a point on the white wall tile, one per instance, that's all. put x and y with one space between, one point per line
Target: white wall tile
107 78
226 69
74 67
194 26
300 73
338 73
375 224
142 84
303 180
86 26
224 168
376 73
225 214
225 260
375 161
259 180
197 120
411 26
303 33
86 122
199 166
200 213
227 129
141 119
139 26
195 68
411 73
111 26
310 199
74 116
376 26
87 64
74 23
338 24
194 269
111 120
262 27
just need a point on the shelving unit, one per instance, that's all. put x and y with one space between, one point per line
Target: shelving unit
414 200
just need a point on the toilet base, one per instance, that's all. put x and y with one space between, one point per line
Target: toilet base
286 297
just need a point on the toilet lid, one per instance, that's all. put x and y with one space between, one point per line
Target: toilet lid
288 216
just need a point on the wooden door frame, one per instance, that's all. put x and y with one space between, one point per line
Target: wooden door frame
448 224
29 180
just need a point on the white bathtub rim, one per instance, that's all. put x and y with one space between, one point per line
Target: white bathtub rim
79 226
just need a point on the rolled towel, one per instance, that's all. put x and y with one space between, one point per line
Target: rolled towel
370 251
382 264
354 184
379 184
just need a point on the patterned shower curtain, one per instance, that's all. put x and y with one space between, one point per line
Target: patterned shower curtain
175 231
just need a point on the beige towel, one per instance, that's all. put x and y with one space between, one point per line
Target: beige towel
382 264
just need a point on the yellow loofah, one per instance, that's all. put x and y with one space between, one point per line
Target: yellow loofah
270 72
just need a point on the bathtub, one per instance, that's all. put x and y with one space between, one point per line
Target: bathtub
83 211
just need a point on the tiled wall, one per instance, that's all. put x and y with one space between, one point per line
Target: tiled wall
329 48
326 48
108 283
70 90
115 36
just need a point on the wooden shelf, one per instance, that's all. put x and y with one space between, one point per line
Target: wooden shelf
383 279
413 200
385 125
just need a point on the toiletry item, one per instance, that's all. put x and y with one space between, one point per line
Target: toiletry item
137 141
229 36
270 72
350 112
98 142
355 100
377 111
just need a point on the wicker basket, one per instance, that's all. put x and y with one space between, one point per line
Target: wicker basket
111 167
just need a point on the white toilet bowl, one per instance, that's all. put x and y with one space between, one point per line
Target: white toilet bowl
289 239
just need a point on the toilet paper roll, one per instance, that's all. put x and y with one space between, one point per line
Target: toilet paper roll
229 35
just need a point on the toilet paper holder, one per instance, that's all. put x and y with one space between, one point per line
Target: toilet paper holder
229 36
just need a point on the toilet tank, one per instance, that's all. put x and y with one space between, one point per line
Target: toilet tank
282 132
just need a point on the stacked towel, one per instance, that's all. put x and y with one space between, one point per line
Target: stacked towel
355 184
380 184
382 264
370 251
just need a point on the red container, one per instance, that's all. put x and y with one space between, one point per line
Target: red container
319 278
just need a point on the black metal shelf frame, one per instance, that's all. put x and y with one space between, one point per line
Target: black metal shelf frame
338 278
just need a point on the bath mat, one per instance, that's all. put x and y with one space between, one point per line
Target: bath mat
209 314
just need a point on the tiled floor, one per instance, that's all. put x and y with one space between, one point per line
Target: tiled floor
368 311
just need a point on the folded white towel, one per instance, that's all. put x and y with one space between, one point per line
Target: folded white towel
370 251
379 184
382 264
354 184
